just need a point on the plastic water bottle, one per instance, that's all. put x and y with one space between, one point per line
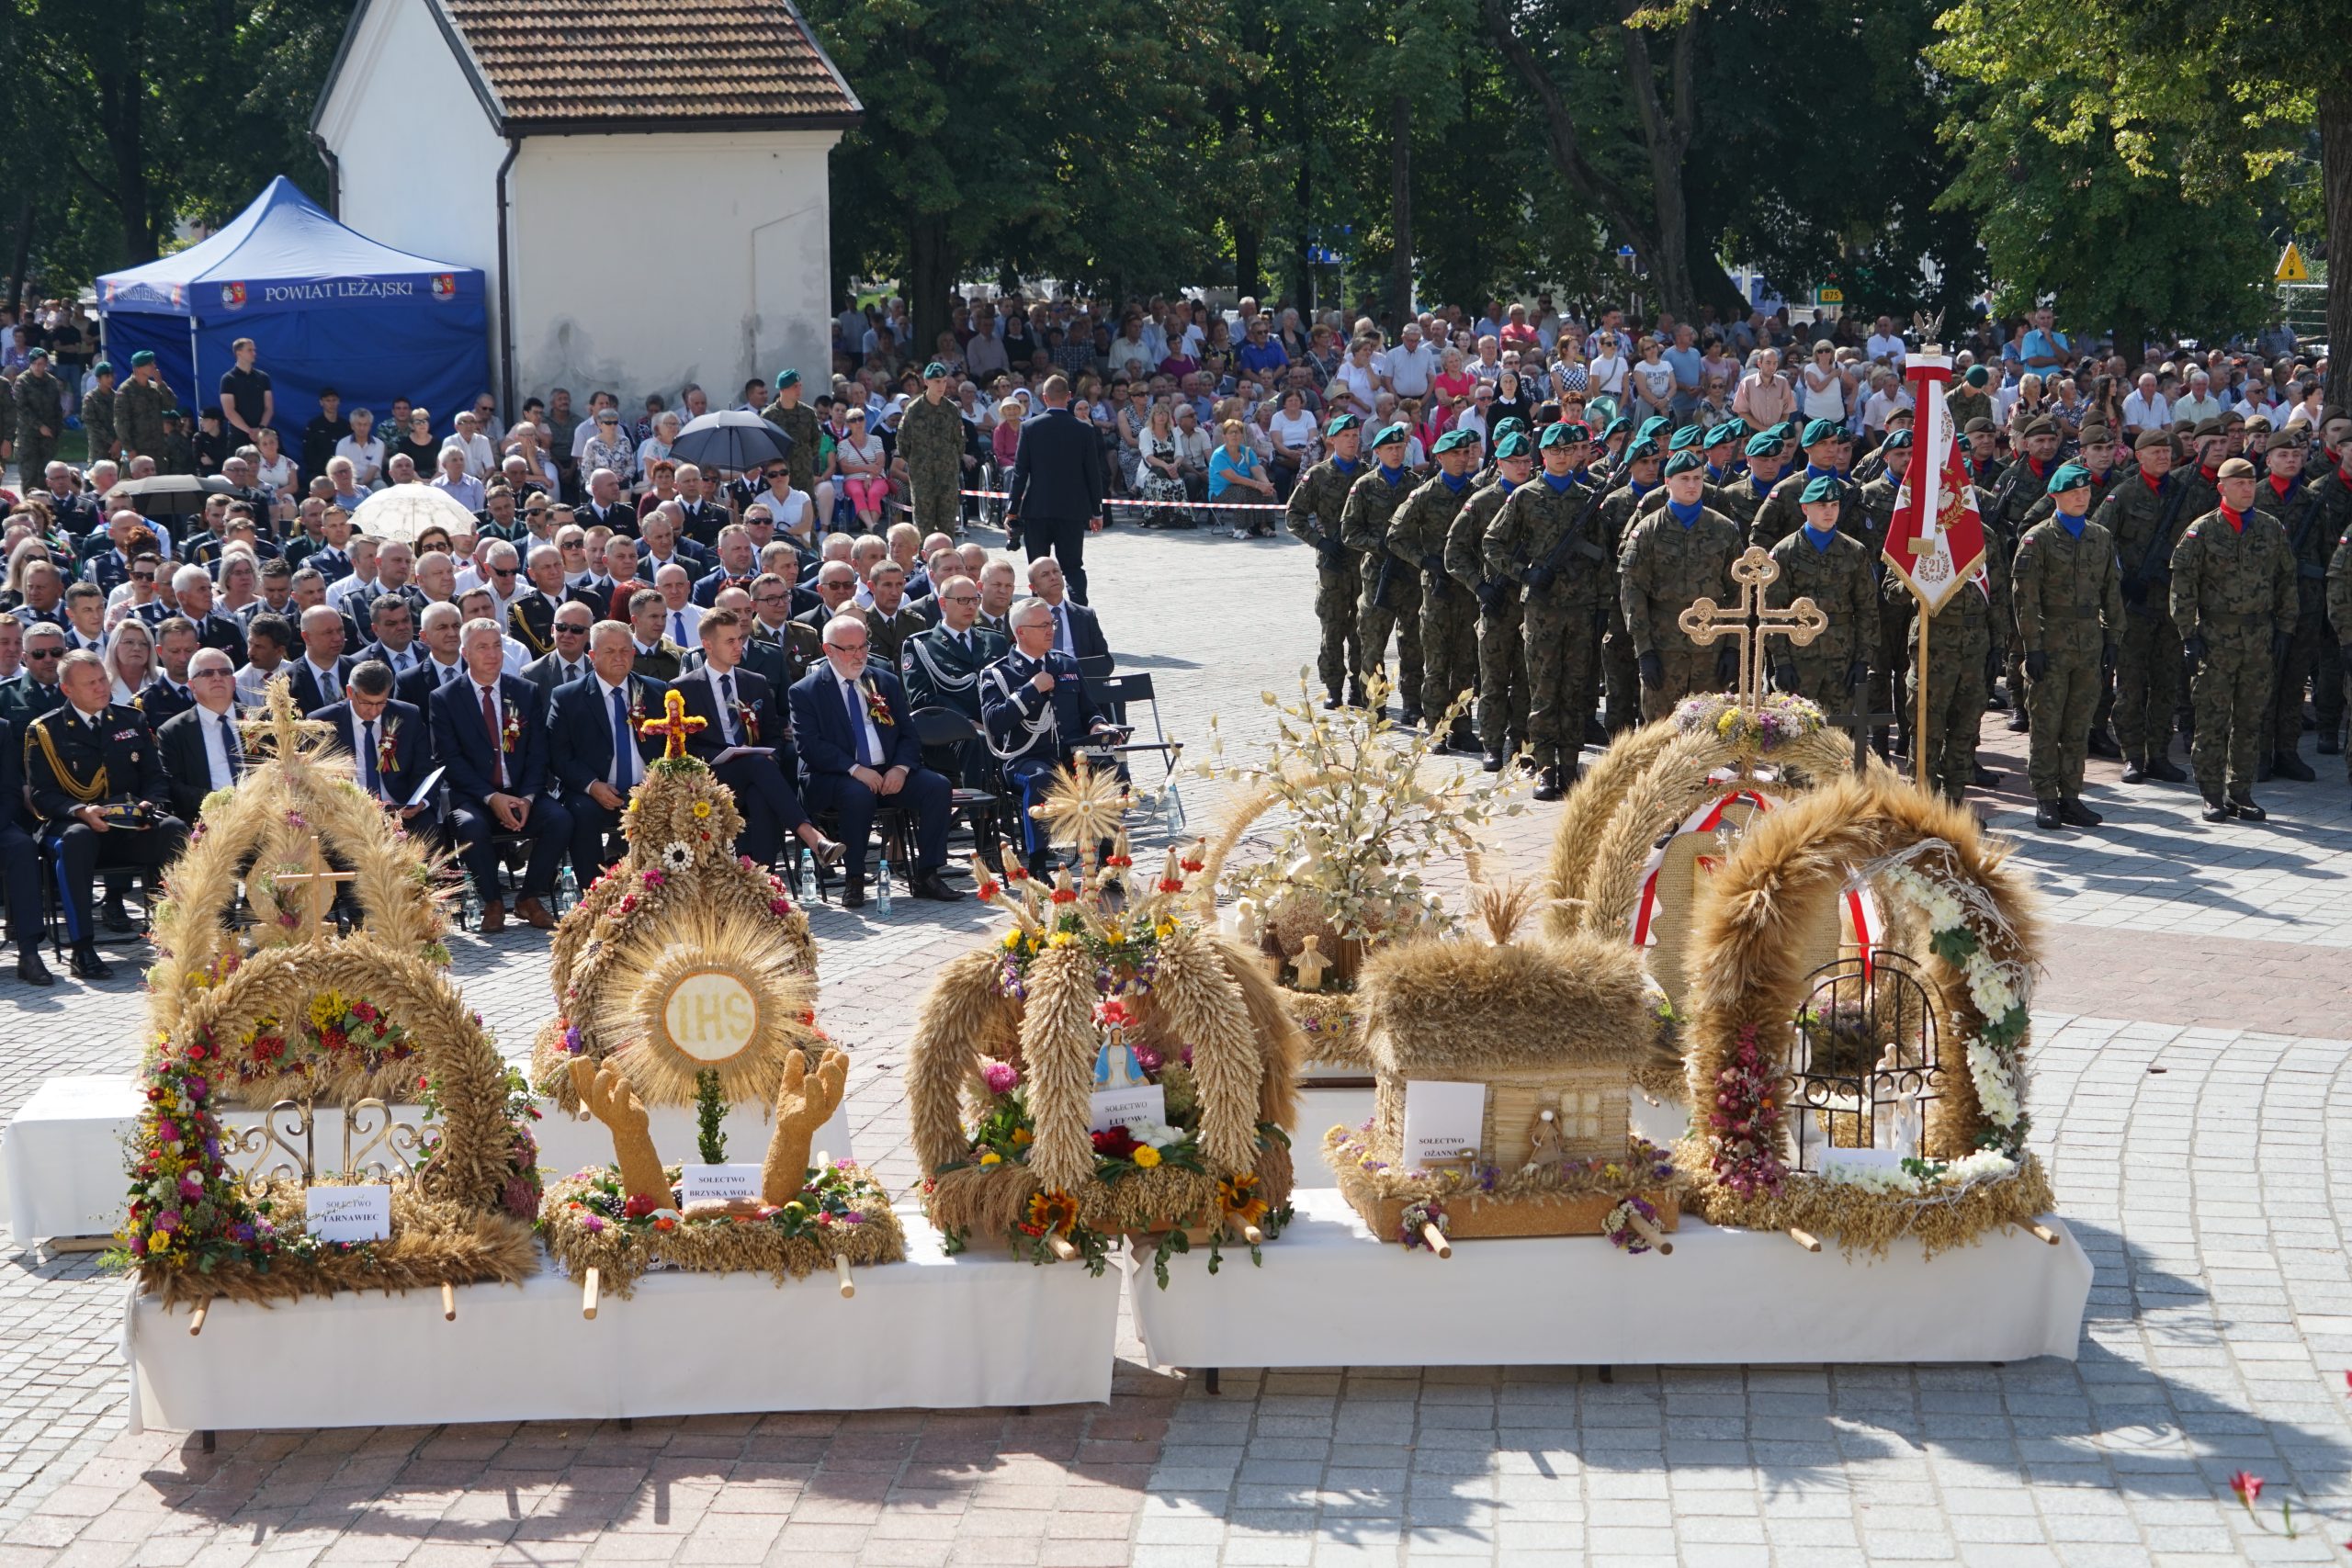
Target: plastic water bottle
469 909
882 885
567 888
805 863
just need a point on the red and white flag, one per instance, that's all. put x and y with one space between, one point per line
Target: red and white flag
1936 539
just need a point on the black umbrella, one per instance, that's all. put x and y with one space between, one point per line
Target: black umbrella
173 492
734 439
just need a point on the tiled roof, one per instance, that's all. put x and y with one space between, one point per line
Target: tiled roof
588 61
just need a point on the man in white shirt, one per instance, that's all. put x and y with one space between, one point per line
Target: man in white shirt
1411 366
1886 344
2144 408
362 450
481 460
680 616
361 549
2200 404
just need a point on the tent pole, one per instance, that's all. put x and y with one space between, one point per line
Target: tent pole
196 375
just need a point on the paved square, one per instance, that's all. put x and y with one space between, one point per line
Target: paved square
2188 1062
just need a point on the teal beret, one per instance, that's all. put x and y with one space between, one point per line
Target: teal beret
1722 436
1398 430
1577 428
1738 427
1510 443
1508 424
1684 439
934 370
1821 490
1781 431
1895 438
788 378
1820 430
1621 422
1763 444
1652 425
1684 463
1646 446
101 368
36 354
2070 476
1977 376
1342 424
1456 438
144 357
1559 435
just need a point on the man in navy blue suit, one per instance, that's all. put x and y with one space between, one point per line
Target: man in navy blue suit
597 749
490 734
737 708
391 752
1056 497
860 748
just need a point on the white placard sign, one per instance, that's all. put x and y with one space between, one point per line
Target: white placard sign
1443 1122
349 1213
1128 1107
724 1183
1834 1159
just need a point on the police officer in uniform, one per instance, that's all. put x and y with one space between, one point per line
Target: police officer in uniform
1314 513
1036 713
95 777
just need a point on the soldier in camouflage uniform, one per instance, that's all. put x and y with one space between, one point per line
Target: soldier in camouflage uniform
97 414
930 440
1544 539
1416 538
1671 558
1502 653
2339 603
40 417
1970 400
1823 563
1391 599
1960 639
1313 511
139 405
2070 616
2024 482
2097 458
2301 510
1985 463
1743 497
1783 512
2325 466
1891 654
2234 599
1637 475
2145 513
798 419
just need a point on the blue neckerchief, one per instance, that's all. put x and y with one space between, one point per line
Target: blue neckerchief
1508 485
1686 515
1455 482
1347 465
1812 473
1638 487
1391 474
2072 522
1716 475
1820 540
1561 483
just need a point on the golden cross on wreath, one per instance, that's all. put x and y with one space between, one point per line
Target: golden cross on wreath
674 725
282 724
316 881
1800 622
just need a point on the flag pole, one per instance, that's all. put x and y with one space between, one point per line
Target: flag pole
1919 708
1932 419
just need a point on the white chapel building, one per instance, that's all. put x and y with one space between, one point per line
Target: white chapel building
643 182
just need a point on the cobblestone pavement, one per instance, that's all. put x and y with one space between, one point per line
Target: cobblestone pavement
2185 1098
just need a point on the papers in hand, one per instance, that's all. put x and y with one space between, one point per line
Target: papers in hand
734 751
424 791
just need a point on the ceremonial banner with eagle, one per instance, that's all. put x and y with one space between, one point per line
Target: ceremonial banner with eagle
1936 539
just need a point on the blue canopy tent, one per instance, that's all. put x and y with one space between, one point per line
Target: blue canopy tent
324 306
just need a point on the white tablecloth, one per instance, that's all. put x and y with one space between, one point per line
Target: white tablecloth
933 1331
1331 1296
61 1158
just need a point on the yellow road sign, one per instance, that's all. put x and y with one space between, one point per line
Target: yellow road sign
1832 297
2291 266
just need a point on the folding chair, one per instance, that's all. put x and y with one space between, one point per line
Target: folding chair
1113 694
983 810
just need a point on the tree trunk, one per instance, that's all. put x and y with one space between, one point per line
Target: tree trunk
931 278
1666 136
1247 271
1400 207
23 259
122 118
1302 265
2335 169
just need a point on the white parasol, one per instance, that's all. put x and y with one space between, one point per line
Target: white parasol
402 512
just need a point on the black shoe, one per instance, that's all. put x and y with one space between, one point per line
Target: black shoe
2166 770
1356 698
2103 745
87 965
1983 777
1332 700
2019 723
1409 717
930 885
2048 815
1995 702
1595 732
2242 805
2075 814
114 917
2294 768
1547 785
2134 771
2329 746
2262 771
2217 809
854 893
1493 762
31 970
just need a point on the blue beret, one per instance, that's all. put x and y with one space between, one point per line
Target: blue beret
1510 443
1457 438
1820 430
1763 444
2070 476
1684 463
1823 488
1396 431
1342 424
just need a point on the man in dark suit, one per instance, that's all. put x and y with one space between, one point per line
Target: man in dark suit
605 506
608 592
738 563
568 662
1077 631
1057 491
737 708
657 655
702 517
942 669
193 586
490 734
319 674
391 744
20 864
392 626
92 768
202 748
595 747
441 666
836 594
859 747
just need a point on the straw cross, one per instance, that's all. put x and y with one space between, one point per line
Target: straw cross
1800 622
674 725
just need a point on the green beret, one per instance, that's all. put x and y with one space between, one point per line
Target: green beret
144 357
101 368
1738 427
1578 428
1342 424
1895 438
1620 423
1823 488
934 370
1819 431
1763 444
1980 426
2148 440
1684 463
1559 435
788 378
1508 424
2070 476
2204 427
1684 439
36 354
1644 447
1458 437
1652 425
1977 376
1398 430
1510 443
1722 436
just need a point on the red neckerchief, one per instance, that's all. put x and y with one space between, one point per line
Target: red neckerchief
2209 474
2280 485
2036 467
2154 481
2236 520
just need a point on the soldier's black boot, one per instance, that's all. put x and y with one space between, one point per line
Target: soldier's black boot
2165 770
2217 809
2048 815
2289 767
1332 698
30 969
2135 771
2102 744
2241 805
2075 814
87 965
2020 721
1356 697
1492 763
1547 785
1983 777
